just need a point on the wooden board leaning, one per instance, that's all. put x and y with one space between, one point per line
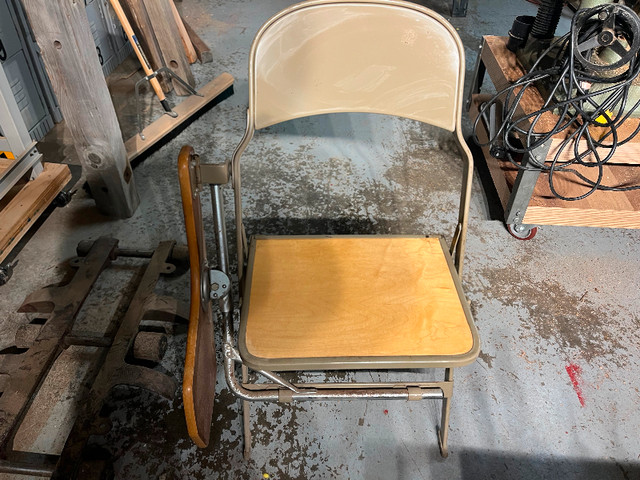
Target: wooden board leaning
21 207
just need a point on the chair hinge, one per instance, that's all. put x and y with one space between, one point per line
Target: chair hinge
285 396
415 393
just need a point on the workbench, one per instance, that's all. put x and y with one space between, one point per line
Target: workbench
27 184
525 194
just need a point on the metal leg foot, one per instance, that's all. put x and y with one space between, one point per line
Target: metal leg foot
442 443
173 75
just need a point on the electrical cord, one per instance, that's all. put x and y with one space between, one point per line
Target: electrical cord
577 109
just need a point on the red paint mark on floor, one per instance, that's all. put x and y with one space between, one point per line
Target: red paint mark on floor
386 412
574 372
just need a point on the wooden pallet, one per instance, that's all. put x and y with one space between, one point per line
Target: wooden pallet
26 201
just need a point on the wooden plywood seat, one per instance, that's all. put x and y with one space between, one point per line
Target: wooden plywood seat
353 302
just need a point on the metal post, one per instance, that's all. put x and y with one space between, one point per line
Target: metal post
478 76
222 250
13 129
525 184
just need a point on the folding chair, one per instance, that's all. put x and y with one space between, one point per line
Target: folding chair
312 303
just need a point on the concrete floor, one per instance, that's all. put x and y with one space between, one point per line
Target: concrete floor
566 301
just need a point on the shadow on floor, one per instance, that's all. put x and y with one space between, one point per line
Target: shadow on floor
477 464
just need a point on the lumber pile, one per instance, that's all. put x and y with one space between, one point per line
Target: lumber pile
166 39
26 201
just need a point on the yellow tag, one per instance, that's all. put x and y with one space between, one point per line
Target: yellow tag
8 155
602 120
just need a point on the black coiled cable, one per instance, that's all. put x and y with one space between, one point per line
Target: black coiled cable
578 109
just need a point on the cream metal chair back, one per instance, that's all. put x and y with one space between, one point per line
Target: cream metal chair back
370 56
375 57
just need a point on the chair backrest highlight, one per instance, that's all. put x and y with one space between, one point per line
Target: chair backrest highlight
375 56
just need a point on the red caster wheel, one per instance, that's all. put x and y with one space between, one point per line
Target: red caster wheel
521 232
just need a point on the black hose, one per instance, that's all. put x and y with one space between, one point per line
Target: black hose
547 19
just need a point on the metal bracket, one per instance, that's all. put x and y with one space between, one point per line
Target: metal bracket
525 184
213 173
30 159
219 283
231 353
415 393
478 76
284 383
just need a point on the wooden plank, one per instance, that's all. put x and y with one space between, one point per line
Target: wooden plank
625 154
62 31
24 208
579 217
139 19
202 49
341 297
189 50
157 130
161 16
5 165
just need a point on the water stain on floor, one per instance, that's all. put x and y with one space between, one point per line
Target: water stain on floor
592 330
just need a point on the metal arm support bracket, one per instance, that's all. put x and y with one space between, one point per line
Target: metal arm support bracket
213 173
327 391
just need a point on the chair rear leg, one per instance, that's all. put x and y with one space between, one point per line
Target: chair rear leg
443 431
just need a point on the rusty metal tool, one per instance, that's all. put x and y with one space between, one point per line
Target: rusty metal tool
23 370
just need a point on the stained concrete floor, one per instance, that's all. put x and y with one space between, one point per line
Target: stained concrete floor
566 301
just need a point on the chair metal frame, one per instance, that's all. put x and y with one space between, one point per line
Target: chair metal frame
210 284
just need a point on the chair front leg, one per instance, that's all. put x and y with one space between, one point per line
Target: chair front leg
246 417
443 431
